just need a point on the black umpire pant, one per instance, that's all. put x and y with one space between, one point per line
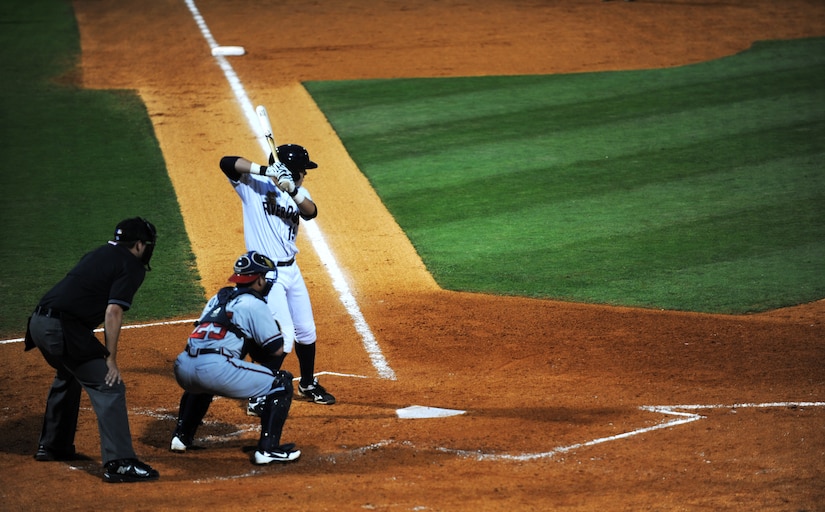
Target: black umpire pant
63 402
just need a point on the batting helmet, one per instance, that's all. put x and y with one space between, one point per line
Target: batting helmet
250 266
295 158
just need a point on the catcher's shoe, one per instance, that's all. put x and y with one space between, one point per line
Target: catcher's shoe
316 393
255 406
44 454
128 470
178 445
284 453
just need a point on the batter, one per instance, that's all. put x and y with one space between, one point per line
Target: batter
274 201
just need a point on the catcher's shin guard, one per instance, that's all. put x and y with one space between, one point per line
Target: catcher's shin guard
193 408
275 412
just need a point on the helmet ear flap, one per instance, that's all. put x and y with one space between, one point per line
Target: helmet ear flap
270 282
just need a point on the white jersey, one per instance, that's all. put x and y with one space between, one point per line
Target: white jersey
270 216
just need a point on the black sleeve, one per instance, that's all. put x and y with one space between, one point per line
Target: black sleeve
265 355
127 281
228 167
310 217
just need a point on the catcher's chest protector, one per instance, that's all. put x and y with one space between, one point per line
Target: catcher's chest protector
220 316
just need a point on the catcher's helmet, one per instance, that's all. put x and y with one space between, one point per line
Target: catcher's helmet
250 266
295 158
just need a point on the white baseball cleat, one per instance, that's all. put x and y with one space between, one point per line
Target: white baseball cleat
284 453
178 445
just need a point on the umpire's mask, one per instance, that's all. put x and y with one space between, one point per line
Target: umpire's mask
138 229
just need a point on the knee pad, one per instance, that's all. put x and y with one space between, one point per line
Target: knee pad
278 402
282 383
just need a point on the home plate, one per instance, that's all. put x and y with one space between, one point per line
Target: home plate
228 50
420 411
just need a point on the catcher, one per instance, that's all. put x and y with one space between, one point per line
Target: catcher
236 322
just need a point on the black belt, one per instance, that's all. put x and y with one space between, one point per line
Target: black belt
285 263
47 312
195 352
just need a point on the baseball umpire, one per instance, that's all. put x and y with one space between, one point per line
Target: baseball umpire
274 201
97 290
236 322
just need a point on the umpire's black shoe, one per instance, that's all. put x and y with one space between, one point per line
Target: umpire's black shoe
128 470
44 454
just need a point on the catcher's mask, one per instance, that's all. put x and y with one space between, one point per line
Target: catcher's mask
137 229
296 159
252 265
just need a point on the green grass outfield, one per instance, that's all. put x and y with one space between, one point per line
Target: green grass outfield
75 163
693 188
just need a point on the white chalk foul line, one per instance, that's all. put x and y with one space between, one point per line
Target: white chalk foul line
766 405
133 326
682 418
313 232
351 305
678 417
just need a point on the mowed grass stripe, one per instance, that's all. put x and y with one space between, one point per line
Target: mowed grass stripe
425 103
508 144
423 114
624 173
607 187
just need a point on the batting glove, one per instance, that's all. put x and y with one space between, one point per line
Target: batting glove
285 181
283 175
286 184
275 170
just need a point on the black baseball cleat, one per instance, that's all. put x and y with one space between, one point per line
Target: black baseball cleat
128 470
316 393
44 454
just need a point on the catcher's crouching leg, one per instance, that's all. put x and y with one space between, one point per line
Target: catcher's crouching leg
273 417
193 408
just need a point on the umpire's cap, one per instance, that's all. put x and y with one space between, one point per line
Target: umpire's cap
250 266
138 229
134 229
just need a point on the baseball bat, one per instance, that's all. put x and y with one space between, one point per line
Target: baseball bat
266 126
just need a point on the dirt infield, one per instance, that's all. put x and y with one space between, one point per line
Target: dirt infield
568 407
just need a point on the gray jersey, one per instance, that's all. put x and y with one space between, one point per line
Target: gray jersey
222 371
249 313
